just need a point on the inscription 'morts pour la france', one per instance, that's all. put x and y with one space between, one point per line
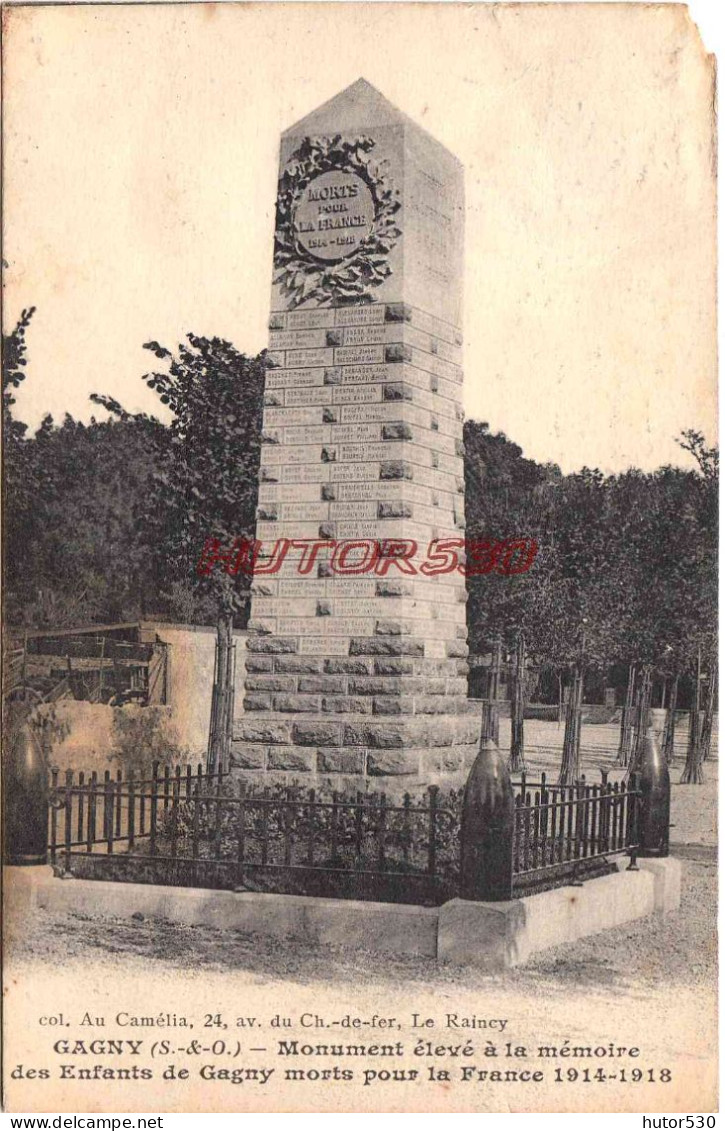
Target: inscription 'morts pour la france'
334 216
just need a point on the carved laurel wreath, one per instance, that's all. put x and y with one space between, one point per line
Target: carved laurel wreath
350 280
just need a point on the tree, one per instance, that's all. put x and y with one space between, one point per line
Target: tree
632 557
107 520
92 557
516 759
72 495
706 735
205 488
707 459
507 496
20 486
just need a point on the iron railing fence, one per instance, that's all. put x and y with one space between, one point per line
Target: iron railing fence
184 826
203 829
97 813
563 829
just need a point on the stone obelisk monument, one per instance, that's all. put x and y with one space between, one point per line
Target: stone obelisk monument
356 658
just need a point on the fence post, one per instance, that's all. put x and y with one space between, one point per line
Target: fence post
487 828
654 825
26 801
54 812
68 837
154 807
107 807
108 811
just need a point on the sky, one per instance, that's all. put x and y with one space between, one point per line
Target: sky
140 162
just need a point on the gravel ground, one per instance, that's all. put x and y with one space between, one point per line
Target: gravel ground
679 949
649 984
694 807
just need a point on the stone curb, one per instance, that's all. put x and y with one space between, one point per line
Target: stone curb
491 936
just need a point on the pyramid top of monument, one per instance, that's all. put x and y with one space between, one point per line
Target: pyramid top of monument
359 104
356 107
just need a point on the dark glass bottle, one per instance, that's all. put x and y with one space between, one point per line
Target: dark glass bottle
25 798
487 828
654 830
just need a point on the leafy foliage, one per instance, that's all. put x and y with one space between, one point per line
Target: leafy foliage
106 521
74 554
206 465
141 737
627 564
708 459
19 472
323 829
14 356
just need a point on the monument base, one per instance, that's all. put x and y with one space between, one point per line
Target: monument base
491 936
357 752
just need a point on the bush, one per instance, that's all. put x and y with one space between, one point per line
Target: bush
142 736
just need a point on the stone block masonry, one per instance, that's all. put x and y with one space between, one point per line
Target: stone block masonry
362 679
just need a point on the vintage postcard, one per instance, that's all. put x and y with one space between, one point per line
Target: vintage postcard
360 488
